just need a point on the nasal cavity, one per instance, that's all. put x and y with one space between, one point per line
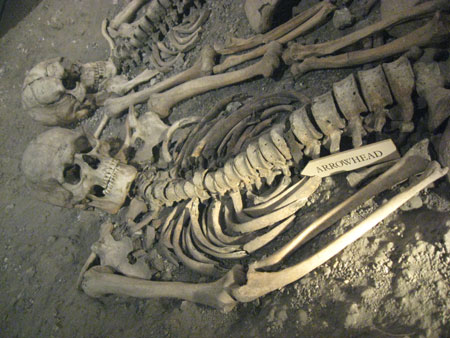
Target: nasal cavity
91 161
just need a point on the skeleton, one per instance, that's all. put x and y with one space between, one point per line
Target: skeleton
209 222
190 206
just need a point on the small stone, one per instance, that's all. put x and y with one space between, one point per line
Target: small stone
342 18
302 317
413 203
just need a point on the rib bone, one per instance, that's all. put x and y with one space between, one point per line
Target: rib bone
414 161
162 103
261 283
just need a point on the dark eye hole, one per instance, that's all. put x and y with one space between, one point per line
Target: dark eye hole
72 174
91 161
69 82
82 145
98 191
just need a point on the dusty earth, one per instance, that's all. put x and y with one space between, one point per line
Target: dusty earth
394 282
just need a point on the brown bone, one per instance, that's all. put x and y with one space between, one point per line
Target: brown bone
414 161
437 30
203 66
261 283
163 102
298 52
314 21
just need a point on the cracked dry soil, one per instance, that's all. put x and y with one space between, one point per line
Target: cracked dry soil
394 282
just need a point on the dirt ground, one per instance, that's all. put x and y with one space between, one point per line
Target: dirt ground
394 282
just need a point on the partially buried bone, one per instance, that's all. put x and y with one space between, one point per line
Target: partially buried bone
351 105
430 85
163 102
298 52
101 281
260 283
437 30
356 177
260 14
202 67
413 162
377 95
237 45
114 254
316 20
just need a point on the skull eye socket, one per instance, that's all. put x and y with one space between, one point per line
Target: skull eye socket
72 174
69 82
82 145
91 161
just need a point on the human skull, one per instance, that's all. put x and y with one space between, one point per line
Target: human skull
55 91
69 169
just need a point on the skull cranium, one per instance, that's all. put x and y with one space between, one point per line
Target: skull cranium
55 91
67 168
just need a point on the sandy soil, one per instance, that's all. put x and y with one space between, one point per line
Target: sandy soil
394 282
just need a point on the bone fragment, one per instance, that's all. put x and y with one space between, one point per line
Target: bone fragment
162 103
169 133
356 177
100 281
238 45
298 52
260 14
162 65
377 95
316 20
261 283
413 162
430 85
400 76
214 223
437 30
194 252
203 66
184 44
351 105
327 118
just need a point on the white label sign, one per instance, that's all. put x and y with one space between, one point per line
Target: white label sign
352 159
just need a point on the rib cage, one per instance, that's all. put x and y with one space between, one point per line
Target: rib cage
158 19
252 149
